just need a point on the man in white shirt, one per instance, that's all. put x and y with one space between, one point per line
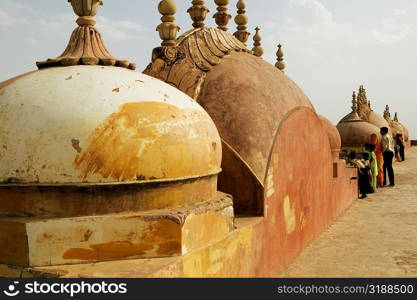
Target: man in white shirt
388 152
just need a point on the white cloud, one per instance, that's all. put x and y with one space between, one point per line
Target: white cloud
119 30
8 20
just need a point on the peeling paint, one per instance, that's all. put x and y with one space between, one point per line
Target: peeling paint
270 185
289 215
143 138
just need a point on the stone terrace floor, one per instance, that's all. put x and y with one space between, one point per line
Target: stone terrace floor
376 237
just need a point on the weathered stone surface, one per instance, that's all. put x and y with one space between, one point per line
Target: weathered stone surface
158 233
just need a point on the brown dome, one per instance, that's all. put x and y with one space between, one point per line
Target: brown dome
355 132
397 128
247 98
377 120
334 136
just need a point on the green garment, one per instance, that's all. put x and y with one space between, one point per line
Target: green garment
374 164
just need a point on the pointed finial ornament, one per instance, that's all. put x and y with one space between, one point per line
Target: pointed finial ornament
387 114
168 30
241 20
396 117
222 17
198 13
86 46
280 59
257 49
354 103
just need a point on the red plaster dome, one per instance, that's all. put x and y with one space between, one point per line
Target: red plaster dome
334 136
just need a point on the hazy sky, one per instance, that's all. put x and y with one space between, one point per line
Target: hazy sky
331 46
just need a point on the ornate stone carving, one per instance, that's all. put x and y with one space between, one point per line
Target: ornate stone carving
387 114
280 59
241 20
198 13
168 30
257 49
197 51
86 47
222 17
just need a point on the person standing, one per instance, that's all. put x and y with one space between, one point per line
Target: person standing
379 158
400 143
363 178
388 152
373 165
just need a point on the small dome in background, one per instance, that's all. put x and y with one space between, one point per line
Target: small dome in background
377 120
334 136
354 131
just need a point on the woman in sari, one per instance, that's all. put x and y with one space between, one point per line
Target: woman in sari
379 158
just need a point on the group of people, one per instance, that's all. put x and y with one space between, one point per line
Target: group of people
376 162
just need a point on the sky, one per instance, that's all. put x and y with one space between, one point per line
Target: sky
330 46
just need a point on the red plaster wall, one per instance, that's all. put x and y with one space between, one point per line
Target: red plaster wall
303 171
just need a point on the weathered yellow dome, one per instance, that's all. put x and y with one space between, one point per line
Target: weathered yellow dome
97 124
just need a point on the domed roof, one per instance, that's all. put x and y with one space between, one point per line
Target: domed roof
332 133
377 120
355 132
246 96
396 128
101 124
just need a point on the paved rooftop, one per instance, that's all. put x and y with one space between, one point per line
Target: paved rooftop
376 237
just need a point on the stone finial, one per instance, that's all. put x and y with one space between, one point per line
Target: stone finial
222 17
257 49
387 114
86 46
241 20
354 103
280 59
396 117
198 13
168 30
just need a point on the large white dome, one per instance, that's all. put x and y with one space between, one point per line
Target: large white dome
101 124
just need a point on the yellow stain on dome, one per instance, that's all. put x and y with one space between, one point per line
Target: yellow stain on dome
151 140
289 215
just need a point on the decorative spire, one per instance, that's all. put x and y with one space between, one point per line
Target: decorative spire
241 20
387 114
222 17
257 49
354 103
86 47
198 13
168 30
280 59
362 97
396 117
